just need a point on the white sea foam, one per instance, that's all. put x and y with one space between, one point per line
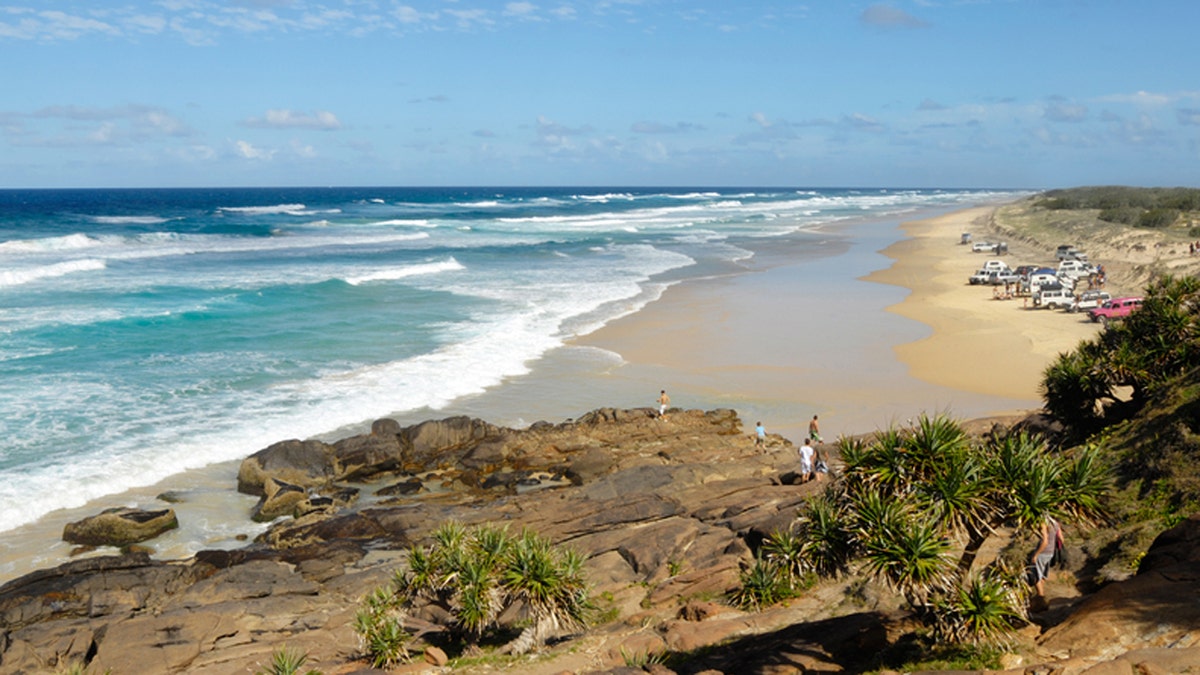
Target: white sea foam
415 222
70 242
130 220
407 271
264 210
18 277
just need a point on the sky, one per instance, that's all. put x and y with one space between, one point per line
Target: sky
825 93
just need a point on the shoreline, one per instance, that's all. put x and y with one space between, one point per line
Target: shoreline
770 339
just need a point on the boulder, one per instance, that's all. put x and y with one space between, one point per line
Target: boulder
279 499
364 455
120 527
304 463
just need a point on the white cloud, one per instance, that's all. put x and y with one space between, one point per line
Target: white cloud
321 120
248 151
1143 98
886 16
522 10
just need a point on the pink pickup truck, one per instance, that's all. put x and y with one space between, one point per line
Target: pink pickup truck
1117 308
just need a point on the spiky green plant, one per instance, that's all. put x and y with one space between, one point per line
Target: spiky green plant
981 610
760 585
379 625
785 548
287 662
477 574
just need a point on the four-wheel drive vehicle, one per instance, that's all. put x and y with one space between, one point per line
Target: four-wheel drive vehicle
998 265
994 277
1089 300
1068 252
1053 297
1074 268
983 247
1115 309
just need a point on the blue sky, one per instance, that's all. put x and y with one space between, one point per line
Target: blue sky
928 93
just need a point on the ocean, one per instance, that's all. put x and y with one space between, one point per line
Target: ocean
146 333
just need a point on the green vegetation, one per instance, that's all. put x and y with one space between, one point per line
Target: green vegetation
914 508
476 577
1111 377
285 662
1141 207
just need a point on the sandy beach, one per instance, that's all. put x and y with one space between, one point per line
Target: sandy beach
913 337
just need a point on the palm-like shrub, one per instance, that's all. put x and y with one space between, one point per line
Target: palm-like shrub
1157 342
982 609
910 498
761 585
478 575
379 623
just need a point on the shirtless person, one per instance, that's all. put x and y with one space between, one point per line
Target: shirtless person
664 402
814 430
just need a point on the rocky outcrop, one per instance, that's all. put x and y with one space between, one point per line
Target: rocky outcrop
667 515
120 527
1156 612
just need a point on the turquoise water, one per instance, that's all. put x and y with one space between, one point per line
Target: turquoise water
144 333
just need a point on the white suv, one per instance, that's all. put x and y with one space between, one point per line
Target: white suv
1053 297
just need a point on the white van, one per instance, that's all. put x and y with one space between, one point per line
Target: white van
1053 297
1074 268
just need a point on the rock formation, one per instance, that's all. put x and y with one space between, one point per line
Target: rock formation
666 512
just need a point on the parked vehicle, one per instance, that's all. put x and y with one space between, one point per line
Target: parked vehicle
1067 252
983 247
1039 278
1024 271
1114 310
1089 300
1074 268
1053 297
997 265
994 277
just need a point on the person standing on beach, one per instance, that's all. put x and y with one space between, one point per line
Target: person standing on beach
806 461
664 402
814 430
760 440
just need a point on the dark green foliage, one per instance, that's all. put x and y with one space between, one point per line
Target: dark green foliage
911 499
1151 346
1144 207
476 575
1125 215
1158 218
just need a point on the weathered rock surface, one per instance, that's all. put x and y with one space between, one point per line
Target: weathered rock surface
667 514
120 527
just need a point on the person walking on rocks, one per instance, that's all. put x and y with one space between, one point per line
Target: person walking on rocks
760 439
806 461
1040 561
814 430
664 402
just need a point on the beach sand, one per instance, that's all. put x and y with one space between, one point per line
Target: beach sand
874 326
779 344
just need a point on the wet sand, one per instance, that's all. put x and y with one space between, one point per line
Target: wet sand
902 335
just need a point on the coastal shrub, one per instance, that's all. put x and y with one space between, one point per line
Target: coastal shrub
478 575
1140 354
983 609
379 623
287 662
762 585
1156 218
1125 215
915 506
